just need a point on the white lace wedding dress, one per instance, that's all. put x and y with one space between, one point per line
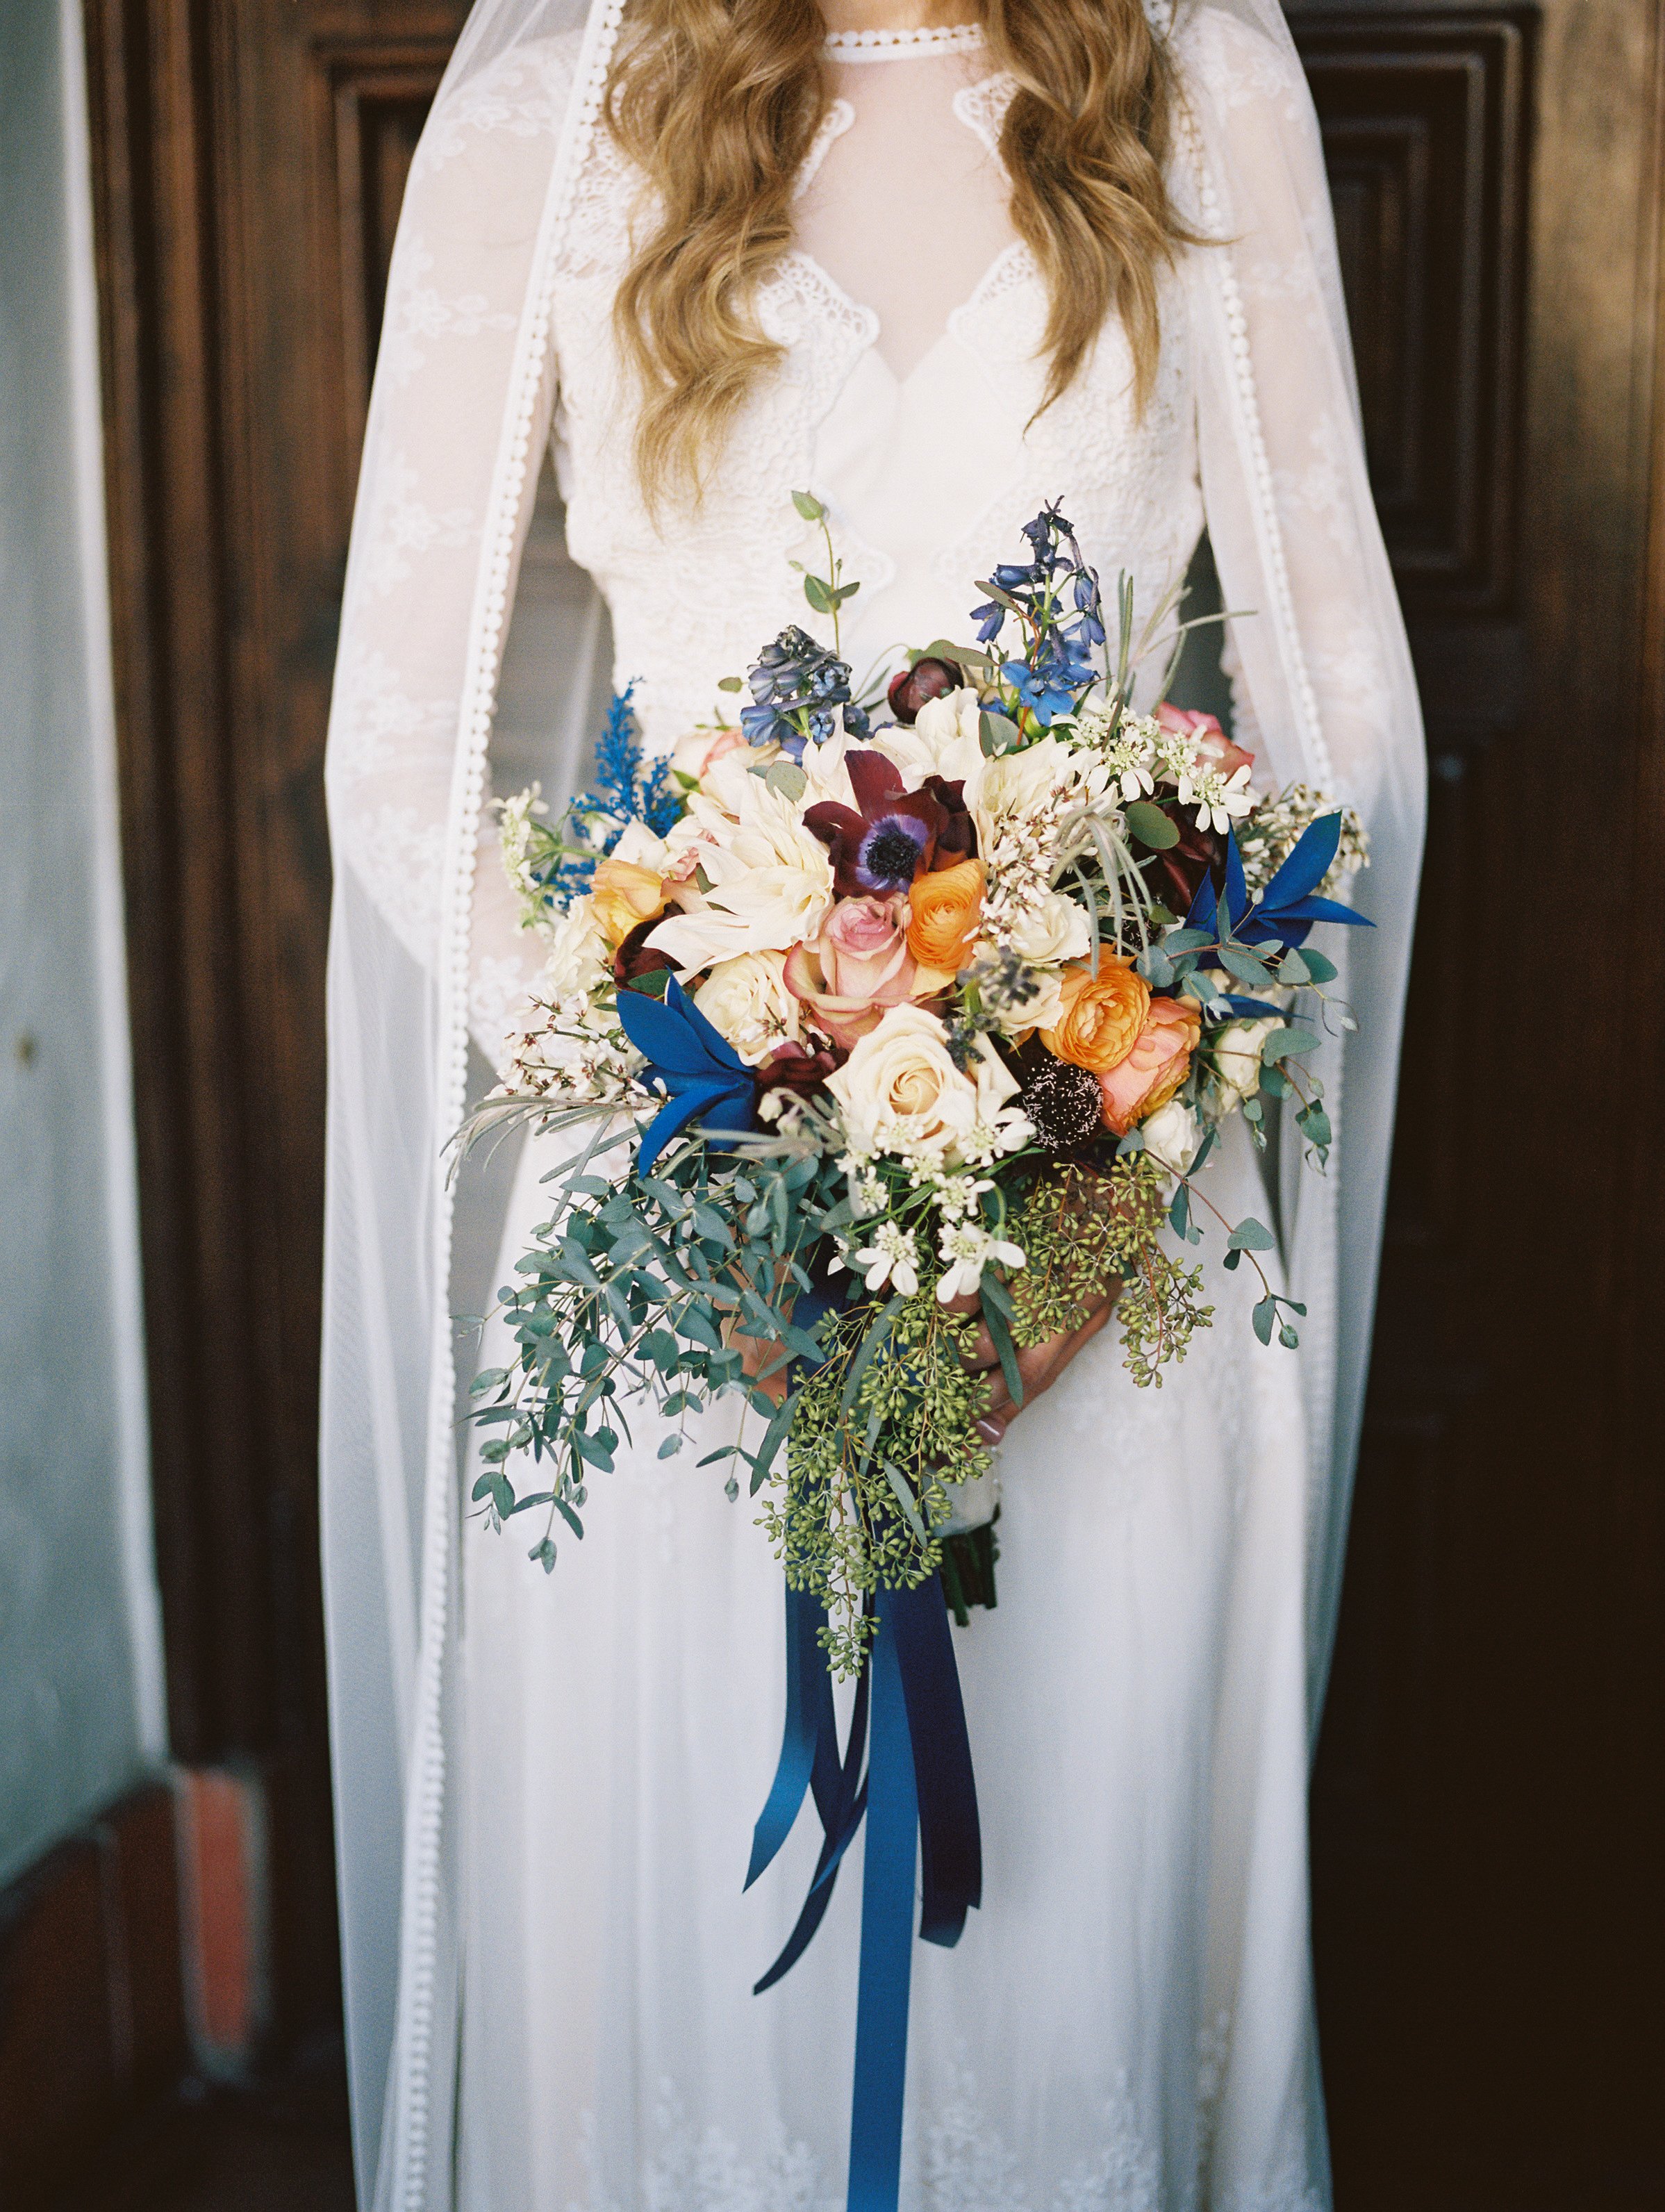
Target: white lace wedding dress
1125 2025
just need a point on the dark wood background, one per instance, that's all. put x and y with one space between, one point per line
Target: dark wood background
1488 1821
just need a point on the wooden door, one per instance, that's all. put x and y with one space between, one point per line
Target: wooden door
1486 1814
1488 1820
251 155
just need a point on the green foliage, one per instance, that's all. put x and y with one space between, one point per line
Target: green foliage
630 1294
1087 1229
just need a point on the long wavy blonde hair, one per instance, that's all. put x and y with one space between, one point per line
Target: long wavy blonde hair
717 101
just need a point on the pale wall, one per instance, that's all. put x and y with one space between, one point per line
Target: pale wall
81 1712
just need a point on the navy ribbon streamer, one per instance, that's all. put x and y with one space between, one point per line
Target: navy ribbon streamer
918 1785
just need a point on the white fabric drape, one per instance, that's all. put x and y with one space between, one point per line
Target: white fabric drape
423 942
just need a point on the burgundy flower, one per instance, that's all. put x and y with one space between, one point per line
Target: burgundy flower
637 957
928 678
892 835
790 1067
1181 869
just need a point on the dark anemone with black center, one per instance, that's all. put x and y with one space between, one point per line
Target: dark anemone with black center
1064 1103
891 852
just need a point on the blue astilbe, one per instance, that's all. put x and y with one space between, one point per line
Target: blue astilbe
627 789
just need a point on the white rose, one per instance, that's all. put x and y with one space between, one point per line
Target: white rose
944 740
901 1093
1172 1135
746 1000
580 960
1044 1009
695 753
1058 930
1236 1056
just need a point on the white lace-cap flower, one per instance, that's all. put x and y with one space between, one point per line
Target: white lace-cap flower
892 1257
1220 800
967 1248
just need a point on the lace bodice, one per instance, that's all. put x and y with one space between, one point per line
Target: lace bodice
913 421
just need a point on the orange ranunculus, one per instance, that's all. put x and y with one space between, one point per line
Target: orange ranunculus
624 894
944 910
1102 1015
1158 1063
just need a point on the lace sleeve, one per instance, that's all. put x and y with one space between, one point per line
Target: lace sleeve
475 197
1322 662
1311 545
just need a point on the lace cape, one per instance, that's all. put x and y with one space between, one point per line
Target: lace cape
459 419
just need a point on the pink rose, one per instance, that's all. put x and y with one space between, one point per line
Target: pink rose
856 965
1216 749
1154 1070
695 754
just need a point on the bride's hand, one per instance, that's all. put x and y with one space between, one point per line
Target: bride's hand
1038 1368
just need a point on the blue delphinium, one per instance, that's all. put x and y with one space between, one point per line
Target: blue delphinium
800 694
627 789
1056 595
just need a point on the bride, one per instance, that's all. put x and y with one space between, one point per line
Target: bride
937 263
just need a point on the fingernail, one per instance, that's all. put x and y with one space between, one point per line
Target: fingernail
989 1430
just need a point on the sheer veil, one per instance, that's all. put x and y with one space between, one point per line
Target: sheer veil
436 683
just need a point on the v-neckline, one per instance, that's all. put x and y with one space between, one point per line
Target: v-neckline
839 118
867 318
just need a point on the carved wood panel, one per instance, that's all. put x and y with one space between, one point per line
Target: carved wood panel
1424 126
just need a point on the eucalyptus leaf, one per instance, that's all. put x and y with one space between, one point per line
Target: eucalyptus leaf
997 733
1244 966
1251 1236
1290 1043
1005 1349
1151 826
809 506
788 778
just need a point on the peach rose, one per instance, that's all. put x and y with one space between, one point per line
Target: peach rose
624 894
1102 1015
694 755
1216 749
856 965
944 909
1154 1070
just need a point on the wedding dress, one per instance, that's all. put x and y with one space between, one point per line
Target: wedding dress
1125 2025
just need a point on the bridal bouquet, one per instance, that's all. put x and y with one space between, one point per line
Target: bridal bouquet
871 1006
